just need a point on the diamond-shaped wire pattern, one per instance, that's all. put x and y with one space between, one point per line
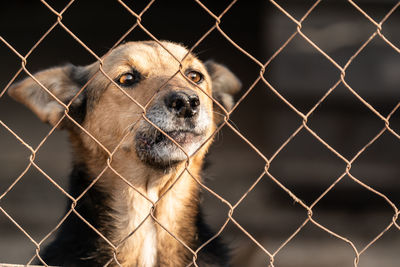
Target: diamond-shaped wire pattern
265 173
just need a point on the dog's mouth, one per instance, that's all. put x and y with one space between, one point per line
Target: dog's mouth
181 137
157 149
146 141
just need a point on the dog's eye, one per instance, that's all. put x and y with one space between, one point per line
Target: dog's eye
195 76
128 79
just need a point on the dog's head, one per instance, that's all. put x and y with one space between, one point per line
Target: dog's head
148 74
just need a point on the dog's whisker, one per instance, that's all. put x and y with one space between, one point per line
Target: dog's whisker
229 120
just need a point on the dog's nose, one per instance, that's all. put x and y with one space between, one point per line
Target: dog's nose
182 104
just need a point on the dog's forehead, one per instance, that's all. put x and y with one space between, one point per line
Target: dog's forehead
151 54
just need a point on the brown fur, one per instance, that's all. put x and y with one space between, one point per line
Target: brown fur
115 121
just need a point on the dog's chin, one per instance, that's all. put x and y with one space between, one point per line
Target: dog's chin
157 150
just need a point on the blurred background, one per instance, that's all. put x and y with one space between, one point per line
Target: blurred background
299 73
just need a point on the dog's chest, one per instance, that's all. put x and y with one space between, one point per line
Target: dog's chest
140 248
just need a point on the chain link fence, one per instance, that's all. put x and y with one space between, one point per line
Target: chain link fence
259 243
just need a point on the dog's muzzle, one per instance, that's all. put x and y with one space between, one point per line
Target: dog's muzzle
180 115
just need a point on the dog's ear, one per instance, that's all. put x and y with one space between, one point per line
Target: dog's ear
63 82
224 85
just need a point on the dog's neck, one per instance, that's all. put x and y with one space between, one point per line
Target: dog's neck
161 216
151 219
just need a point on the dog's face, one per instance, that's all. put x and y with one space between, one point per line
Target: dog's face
145 82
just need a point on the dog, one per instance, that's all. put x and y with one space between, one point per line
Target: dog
139 131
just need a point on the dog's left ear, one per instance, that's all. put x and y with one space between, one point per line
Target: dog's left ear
63 82
224 85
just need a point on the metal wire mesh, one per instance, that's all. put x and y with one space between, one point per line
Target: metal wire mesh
268 161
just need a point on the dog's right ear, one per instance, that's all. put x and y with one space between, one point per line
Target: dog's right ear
225 85
63 82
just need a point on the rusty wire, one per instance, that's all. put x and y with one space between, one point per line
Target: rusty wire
265 174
